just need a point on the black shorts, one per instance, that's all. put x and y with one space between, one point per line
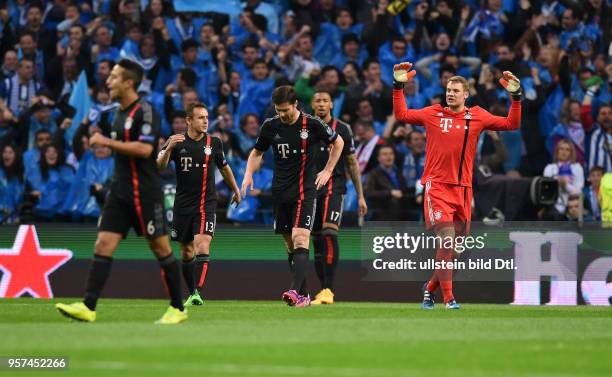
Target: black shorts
329 210
299 214
119 215
186 226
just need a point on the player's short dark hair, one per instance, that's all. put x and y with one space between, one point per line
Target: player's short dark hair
597 168
323 89
132 71
284 94
192 106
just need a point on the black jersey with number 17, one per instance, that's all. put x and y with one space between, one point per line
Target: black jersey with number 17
337 182
196 162
295 147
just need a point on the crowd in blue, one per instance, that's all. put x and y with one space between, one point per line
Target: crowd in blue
231 54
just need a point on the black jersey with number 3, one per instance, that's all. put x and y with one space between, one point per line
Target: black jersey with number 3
295 147
337 182
195 164
136 178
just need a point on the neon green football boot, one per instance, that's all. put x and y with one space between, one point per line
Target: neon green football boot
77 311
172 316
194 299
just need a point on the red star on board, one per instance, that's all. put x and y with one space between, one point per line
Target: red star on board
26 267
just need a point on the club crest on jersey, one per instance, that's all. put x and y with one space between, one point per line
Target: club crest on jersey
128 123
304 134
146 129
438 215
207 150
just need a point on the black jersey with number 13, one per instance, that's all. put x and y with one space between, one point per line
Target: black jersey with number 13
195 164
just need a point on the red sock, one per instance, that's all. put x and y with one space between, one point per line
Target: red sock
433 283
445 276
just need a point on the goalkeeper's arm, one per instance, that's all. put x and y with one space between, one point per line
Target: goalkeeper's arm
401 74
513 120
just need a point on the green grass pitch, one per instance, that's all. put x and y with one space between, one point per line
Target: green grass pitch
260 338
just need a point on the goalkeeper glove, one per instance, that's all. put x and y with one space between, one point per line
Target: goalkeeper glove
512 84
401 74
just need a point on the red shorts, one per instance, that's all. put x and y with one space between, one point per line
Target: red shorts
446 204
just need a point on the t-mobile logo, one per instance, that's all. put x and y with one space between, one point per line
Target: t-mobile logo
445 124
186 163
283 150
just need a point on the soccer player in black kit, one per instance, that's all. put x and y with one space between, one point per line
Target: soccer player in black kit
330 197
135 198
295 138
196 155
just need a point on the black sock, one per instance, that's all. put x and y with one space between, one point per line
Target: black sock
290 260
172 273
98 274
331 259
188 273
201 268
319 257
300 265
304 287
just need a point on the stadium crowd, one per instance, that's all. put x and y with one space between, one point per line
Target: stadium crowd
56 56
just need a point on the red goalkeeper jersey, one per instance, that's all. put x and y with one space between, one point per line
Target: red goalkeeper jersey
452 138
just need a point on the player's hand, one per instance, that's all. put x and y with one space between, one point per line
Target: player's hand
247 183
175 139
510 82
236 198
322 178
363 207
403 72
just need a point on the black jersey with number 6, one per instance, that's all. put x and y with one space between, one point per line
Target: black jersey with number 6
337 182
195 164
136 178
295 147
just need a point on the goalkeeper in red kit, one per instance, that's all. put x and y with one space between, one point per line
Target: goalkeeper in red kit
452 138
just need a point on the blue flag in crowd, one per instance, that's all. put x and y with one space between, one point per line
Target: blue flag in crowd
80 100
229 7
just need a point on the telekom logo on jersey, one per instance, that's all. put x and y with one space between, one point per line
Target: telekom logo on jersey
283 150
445 124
